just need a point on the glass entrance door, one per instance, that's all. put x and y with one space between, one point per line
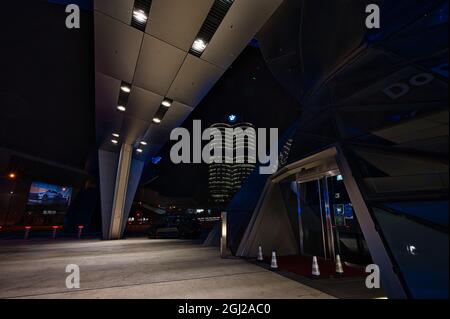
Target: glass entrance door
327 223
312 226
348 239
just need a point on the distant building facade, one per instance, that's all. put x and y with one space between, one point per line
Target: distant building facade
225 179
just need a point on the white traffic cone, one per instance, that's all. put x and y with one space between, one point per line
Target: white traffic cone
315 267
339 267
260 254
274 264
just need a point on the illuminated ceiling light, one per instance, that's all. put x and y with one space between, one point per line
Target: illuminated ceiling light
144 143
12 175
116 135
167 103
115 142
199 45
156 120
121 108
125 88
139 151
140 16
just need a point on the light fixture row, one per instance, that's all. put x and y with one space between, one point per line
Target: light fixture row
165 105
215 16
140 150
125 90
115 141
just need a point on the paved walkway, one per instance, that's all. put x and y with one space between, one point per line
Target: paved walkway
137 268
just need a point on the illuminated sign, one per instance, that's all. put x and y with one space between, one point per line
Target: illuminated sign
232 118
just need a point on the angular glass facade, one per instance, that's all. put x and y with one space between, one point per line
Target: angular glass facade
380 98
407 197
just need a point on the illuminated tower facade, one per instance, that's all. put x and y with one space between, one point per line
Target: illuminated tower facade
226 178
243 168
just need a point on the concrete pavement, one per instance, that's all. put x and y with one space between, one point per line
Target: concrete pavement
137 268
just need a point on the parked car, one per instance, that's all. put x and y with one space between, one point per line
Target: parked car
179 226
50 195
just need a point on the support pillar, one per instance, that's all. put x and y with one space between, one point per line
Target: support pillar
119 178
120 191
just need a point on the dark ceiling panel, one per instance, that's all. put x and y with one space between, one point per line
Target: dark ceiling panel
117 47
158 65
143 104
117 9
188 18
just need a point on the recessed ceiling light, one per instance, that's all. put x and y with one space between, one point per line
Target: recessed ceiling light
139 150
116 135
144 143
140 16
125 89
115 142
121 108
199 45
167 103
156 120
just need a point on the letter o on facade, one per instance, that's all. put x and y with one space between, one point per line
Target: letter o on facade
421 79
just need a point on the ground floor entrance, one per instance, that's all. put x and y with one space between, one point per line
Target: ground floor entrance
383 207
306 209
327 223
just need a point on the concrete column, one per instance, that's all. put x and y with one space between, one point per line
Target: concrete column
120 192
119 180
